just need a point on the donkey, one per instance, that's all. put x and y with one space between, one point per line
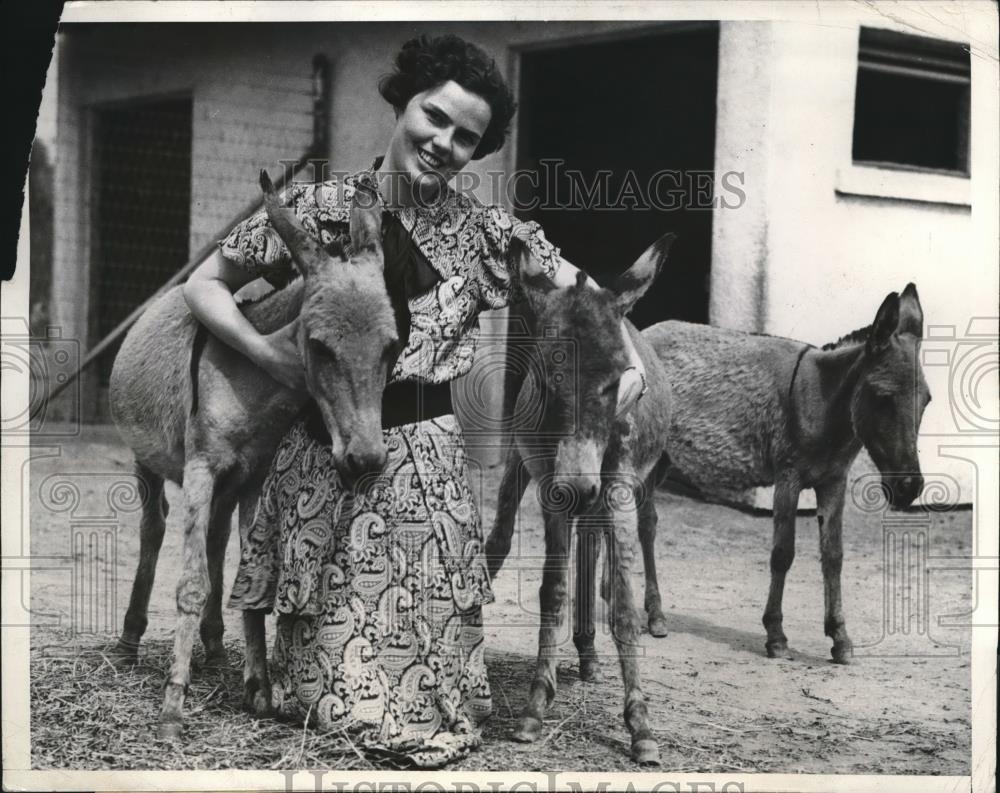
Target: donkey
215 430
753 410
590 472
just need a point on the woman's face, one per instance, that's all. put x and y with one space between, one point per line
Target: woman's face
436 135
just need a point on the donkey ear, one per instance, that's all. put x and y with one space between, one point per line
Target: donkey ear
305 250
366 220
533 278
886 321
911 315
633 283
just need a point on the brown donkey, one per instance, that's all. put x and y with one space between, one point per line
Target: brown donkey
588 465
753 410
219 447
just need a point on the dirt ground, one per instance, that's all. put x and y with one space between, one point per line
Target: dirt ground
717 703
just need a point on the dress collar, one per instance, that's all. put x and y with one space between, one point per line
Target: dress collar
447 204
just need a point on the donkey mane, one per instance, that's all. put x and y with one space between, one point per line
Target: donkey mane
854 337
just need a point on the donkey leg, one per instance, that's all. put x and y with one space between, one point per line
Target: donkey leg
623 541
786 501
588 548
830 513
512 487
648 518
192 592
211 627
552 598
151 529
256 682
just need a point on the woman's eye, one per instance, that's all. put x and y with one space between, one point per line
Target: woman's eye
435 117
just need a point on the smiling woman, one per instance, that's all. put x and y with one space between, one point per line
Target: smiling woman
436 135
378 585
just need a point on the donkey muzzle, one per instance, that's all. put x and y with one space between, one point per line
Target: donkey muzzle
578 474
362 460
575 493
903 489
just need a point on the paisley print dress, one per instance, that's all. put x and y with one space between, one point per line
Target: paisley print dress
378 592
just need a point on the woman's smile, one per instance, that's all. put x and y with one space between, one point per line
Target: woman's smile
431 160
435 136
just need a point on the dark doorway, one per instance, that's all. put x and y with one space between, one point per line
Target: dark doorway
142 218
633 122
643 110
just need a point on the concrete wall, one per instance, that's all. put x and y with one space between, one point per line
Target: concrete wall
820 241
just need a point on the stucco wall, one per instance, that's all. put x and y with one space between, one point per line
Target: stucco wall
820 242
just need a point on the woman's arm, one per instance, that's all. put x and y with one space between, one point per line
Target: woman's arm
209 294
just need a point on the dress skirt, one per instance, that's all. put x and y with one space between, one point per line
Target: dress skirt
378 594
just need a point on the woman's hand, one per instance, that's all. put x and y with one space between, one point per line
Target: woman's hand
279 357
630 388
209 294
632 385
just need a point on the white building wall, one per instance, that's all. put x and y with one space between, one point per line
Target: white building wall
820 242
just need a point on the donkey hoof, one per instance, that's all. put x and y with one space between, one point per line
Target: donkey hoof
841 652
528 730
646 752
169 730
124 655
778 650
658 626
216 660
590 671
256 699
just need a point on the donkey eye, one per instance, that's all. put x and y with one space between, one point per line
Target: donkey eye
884 402
320 350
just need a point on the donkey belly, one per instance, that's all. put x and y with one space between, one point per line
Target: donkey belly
149 389
725 413
711 458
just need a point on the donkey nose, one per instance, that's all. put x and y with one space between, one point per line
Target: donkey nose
360 462
586 494
905 489
912 486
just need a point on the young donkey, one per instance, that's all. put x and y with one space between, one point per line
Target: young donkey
216 431
752 410
599 456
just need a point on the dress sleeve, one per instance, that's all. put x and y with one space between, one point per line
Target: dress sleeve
254 244
499 279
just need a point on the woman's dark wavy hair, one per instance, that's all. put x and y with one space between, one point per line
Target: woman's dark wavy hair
428 61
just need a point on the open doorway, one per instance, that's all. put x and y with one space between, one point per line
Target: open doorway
142 208
633 123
